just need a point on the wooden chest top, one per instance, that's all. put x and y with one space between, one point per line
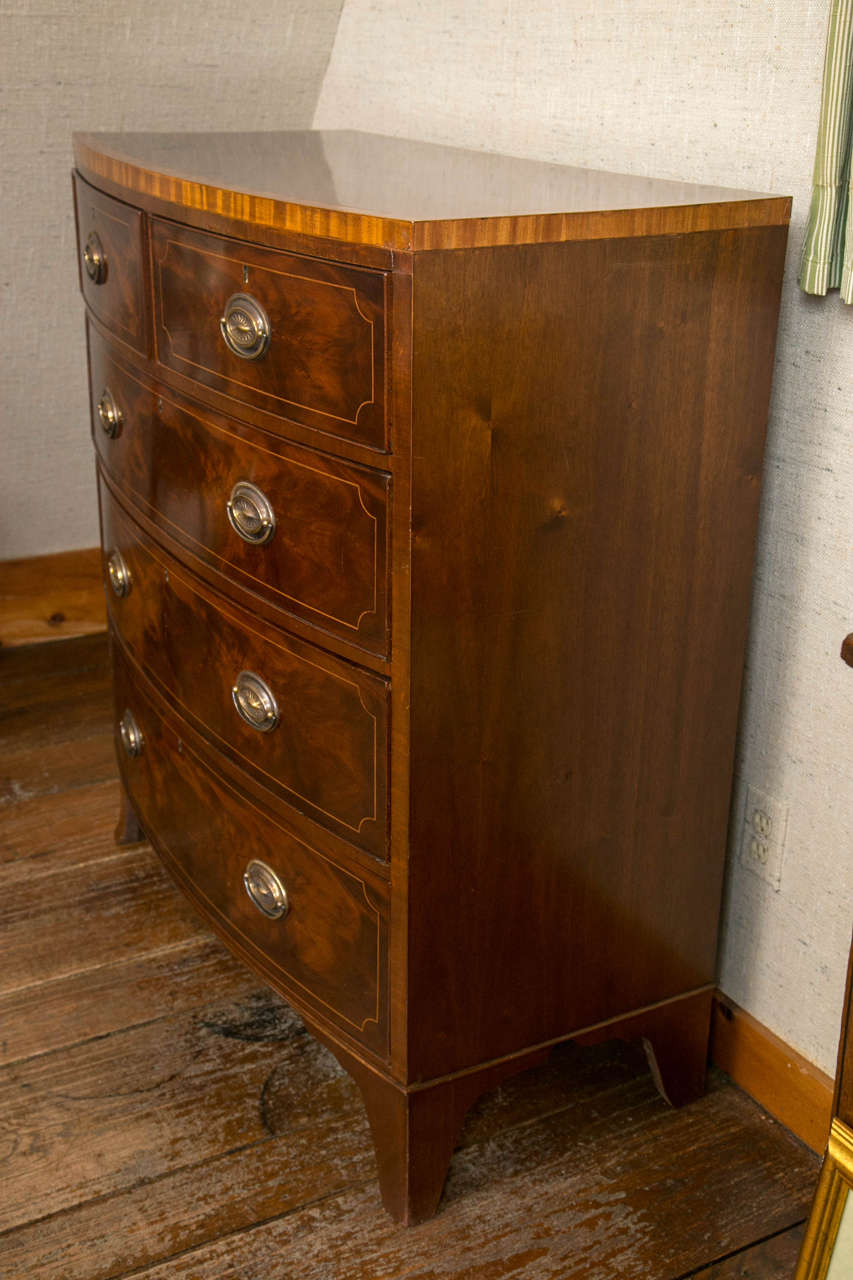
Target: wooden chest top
394 193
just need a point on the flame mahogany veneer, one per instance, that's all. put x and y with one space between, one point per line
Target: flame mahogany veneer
510 422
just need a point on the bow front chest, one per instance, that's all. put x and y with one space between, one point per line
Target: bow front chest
429 483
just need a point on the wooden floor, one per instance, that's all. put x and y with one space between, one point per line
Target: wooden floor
164 1116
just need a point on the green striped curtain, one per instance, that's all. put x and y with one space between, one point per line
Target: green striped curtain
828 248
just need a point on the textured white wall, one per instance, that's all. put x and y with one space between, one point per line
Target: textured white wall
725 92
90 64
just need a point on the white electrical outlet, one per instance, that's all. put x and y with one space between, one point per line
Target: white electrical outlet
762 843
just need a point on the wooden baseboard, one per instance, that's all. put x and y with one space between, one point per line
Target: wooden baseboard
793 1090
51 597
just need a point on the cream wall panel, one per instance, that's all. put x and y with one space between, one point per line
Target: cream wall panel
725 92
85 64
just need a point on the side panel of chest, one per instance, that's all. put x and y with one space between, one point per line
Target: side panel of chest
587 439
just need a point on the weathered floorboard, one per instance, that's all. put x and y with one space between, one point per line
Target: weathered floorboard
106 1238
593 1199
312 1160
43 681
574 1162
48 763
70 826
94 914
110 997
55 718
104 1115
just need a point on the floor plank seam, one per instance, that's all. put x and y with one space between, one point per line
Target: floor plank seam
20 795
7 869
735 1253
104 1035
90 1040
198 940
356 1184
12 798
176 1171
87 784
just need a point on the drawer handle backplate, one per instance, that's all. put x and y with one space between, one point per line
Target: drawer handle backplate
109 413
245 327
95 259
255 702
250 513
119 574
265 889
130 734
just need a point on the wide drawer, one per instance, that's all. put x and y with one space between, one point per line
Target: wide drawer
326 754
325 560
328 951
110 241
322 359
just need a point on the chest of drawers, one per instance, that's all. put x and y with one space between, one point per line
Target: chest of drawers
429 483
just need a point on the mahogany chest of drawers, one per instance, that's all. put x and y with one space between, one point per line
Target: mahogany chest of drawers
429 483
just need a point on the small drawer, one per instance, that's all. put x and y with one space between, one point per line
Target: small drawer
295 336
316 931
324 557
110 241
323 747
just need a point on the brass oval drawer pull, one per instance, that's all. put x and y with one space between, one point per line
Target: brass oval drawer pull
94 259
119 574
130 734
245 327
255 702
109 413
265 890
250 513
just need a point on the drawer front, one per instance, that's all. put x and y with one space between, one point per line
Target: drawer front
323 362
326 559
328 952
326 754
110 242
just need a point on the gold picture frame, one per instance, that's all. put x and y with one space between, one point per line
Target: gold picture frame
832 1205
